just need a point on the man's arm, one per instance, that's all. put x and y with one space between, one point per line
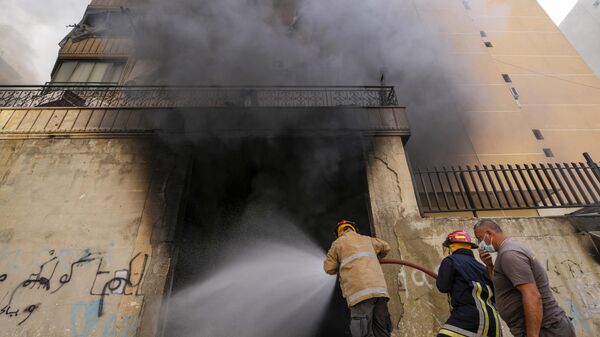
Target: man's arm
486 258
516 266
331 264
532 306
381 247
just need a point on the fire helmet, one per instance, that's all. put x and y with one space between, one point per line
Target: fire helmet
342 225
459 236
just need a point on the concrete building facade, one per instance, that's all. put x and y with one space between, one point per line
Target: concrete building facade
579 27
491 48
98 188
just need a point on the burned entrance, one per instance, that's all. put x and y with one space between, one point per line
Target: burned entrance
259 217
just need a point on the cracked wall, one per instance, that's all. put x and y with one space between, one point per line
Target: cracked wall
418 309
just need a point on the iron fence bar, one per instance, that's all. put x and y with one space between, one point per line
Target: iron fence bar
529 191
461 187
590 177
535 185
554 189
501 187
451 188
539 185
510 187
584 182
571 189
467 189
586 200
442 187
485 189
494 190
544 186
482 203
559 181
437 200
516 179
424 189
592 165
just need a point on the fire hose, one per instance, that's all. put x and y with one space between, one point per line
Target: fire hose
409 264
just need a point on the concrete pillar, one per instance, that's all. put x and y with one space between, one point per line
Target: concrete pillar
415 304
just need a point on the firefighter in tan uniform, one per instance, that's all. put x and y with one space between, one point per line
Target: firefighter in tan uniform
356 258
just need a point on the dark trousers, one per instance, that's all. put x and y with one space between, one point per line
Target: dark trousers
562 328
371 318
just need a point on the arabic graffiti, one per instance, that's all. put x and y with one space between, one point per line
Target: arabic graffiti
21 298
6 311
121 282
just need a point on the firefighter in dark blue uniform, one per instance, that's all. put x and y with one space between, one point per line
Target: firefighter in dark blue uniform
467 283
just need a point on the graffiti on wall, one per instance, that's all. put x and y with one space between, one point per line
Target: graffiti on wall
417 278
21 297
586 286
85 322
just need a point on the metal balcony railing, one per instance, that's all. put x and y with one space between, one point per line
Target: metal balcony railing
110 96
508 187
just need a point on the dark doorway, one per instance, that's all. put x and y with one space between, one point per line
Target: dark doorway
315 181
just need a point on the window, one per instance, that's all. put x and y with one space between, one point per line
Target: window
88 72
483 34
548 153
515 93
538 134
506 78
488 44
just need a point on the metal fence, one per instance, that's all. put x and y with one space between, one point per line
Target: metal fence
109 96
508 187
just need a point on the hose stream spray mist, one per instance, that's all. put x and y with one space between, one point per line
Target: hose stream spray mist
267 287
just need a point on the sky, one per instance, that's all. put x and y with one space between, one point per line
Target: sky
557 9
34 28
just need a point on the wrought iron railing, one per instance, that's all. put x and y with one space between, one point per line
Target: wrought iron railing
508 187
108 96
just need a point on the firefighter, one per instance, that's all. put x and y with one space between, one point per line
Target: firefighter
356 258
469 287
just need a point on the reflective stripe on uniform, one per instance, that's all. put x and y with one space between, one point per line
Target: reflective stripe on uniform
450 333
367 291
482 317
486 322
356 256
494 312
487 312
456 329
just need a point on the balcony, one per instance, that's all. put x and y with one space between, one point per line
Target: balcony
82 110
152 97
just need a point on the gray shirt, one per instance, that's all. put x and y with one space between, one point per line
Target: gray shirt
516 265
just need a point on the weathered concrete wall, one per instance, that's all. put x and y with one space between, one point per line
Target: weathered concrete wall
83 235
87 227
417 307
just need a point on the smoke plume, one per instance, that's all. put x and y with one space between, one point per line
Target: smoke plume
309 42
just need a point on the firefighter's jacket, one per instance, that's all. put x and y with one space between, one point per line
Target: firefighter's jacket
471 296
356 258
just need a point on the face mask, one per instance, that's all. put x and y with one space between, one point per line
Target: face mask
487 247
